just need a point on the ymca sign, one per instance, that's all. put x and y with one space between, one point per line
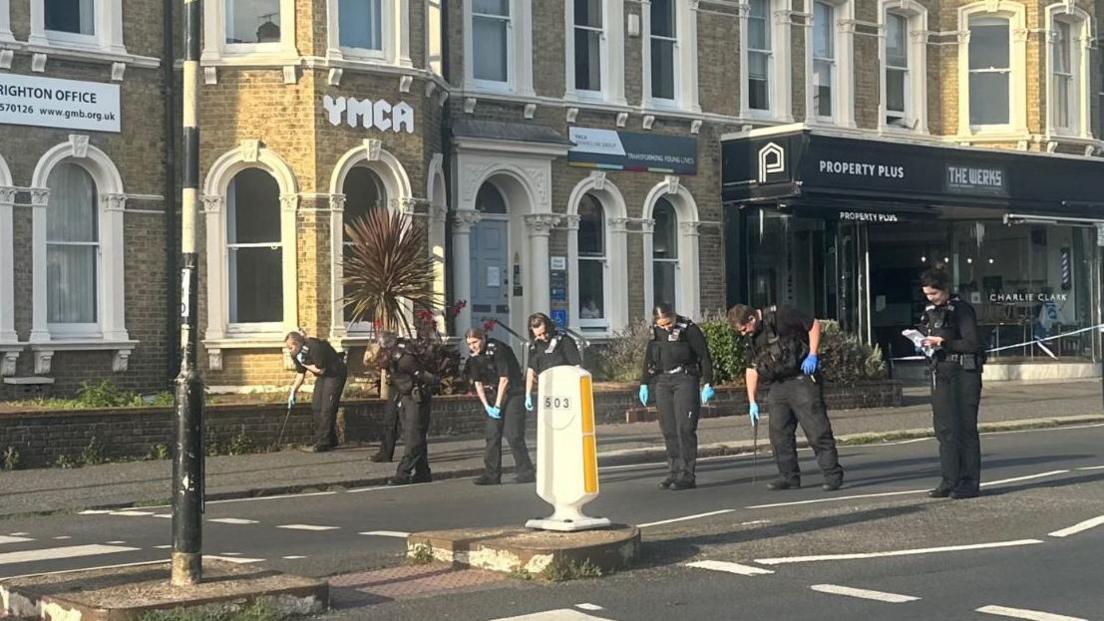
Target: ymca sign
370 114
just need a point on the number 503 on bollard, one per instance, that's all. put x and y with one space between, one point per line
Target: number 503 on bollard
567 449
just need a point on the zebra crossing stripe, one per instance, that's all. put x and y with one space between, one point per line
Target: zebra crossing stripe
48 554
6 539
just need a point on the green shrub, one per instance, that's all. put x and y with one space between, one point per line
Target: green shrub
728 350
11 459
845 359
622 358
104 394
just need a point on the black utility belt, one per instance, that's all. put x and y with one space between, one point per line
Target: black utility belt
969 362
682 369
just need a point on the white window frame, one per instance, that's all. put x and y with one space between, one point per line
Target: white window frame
616 243
395 39
686 59
687 268
246 328
92 328
519 53
1015 13
8 335
5 23
916 82
216 48
779 64
107 35
596 323
843 70
1080 48
611 49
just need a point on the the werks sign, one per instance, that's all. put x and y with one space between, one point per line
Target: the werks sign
368 114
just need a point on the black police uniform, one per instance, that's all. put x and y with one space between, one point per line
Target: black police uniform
495 361
411 394
956 393
674 363
560 350
327 388
779 347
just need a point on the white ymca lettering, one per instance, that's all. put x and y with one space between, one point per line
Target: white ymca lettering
368 114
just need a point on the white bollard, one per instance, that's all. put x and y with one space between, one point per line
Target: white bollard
567 449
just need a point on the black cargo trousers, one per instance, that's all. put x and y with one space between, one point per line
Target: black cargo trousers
414 409
800 400
679 404
956 394
324 403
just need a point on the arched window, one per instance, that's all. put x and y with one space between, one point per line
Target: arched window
72 248
592 263
254 250
664 253
489 200
363 192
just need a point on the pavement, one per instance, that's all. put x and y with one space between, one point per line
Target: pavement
1005 405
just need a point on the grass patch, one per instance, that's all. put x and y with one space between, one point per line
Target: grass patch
419 554
258 610
562 571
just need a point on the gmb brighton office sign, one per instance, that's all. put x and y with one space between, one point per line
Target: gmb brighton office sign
379 114
49 102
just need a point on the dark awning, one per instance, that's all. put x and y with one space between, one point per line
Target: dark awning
804 167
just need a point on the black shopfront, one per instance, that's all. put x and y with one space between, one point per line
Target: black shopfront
843 227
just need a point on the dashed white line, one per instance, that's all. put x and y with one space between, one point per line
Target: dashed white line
1022 613
260 498
232 559
754 522
847 557
310 527
590 607
292 557
836 499
367 489
13 539
386 533
1025 478
1092 468
48 554
129 513
163 516
164 547
892 598
685 518
62 537
19 534
230 553
563 614
95 512
233 521
1080 526
70 571
115 543
731 568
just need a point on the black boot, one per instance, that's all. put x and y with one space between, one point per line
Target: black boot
781 484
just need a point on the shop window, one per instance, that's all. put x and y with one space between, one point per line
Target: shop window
491 34
589 44
363 192
665 253
759 55
664 44
72 250
593 261
824 58
254 250
990 71
361 24
72 16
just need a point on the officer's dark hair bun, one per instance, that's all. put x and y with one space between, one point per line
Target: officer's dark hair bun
936 277
664 309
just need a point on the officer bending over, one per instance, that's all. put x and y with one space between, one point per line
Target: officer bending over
784 345
955 353
318 357
548 347
494 369
410 396
676 360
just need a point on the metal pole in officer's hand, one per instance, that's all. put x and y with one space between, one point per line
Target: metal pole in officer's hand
755 451
280 438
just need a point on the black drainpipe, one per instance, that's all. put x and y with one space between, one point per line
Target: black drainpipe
172 247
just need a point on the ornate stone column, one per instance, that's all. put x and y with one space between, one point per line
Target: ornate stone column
540 226
462 222
572 224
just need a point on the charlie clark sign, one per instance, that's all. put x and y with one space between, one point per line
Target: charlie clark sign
49 102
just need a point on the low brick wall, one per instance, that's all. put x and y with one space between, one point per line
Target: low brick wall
42 438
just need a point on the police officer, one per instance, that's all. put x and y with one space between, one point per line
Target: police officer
956 355
318 357
676 360
784 343
548 347
410 396
494 369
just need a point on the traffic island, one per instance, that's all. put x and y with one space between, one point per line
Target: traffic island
128 593
527 553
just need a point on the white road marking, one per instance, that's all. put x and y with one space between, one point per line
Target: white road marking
233 521
1025 478
239 560
1080 526
563 614
19 534
260 498
366 489
230 553
62 537
387 533
115 543
13 539
847 557
292 558
69 571
754 522
685 518
164 516
1092 468
129 513
164 547
1021 613
590 607
835 499
892 598
95 512
731 568
311 527
47 554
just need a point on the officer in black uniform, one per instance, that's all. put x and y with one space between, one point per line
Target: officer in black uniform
956 354
410 396
785 342
548 347
318 357
494 369
676 360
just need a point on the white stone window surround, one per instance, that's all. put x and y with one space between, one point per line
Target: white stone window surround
686 58
616 270
9 340
5 21
1081 43
109 332
916 86
1015 13
688 292
216 48
395 15
843 85
107 33
779 93
220 333
519 52
396 184
612 51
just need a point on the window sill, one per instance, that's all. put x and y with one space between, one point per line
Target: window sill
9 355
269 341
94 55
44 351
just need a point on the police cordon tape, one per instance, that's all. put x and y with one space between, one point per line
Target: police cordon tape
1039 342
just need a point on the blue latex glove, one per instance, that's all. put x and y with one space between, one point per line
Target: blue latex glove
291 400
753 413
529 403
494 412
810 365
643 394
707 394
